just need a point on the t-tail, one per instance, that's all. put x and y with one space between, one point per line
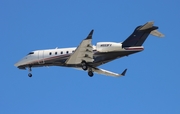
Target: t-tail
140 34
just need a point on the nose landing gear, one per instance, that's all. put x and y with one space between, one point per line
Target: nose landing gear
30 74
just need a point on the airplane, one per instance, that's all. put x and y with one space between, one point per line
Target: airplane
89 57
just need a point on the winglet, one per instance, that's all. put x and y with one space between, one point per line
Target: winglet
90 35
124 72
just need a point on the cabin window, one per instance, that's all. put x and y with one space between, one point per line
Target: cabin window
73 51
67 52
61 52
50 53
55 53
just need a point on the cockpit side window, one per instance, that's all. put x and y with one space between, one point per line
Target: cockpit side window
30 53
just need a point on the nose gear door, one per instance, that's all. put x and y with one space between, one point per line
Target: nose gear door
41 57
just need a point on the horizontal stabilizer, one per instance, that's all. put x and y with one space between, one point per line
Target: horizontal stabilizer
157 33
147 25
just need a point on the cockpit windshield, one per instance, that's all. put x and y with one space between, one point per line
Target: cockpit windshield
30 53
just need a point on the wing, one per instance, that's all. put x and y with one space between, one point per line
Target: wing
84 52
108 73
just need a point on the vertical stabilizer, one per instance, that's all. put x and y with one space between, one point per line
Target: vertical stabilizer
140 34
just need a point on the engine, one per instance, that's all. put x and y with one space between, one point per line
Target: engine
108 46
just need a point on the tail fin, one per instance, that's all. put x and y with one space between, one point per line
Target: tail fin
140 34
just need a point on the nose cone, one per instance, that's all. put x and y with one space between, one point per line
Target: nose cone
20 64
17 64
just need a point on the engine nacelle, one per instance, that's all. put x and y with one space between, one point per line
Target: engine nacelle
108 46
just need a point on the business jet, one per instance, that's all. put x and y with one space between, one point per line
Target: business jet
89 57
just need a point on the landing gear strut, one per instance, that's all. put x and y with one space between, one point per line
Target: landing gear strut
30 74
84 65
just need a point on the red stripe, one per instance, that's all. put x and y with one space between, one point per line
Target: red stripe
134 48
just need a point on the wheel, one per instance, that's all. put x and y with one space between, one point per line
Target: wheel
30 75
90 73
84 65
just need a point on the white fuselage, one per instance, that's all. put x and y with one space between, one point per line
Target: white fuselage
42 56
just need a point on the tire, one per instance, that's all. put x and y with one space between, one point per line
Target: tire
90 73
84 65
30 75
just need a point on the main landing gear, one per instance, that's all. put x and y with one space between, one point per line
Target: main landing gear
90 73
30 74
85 67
